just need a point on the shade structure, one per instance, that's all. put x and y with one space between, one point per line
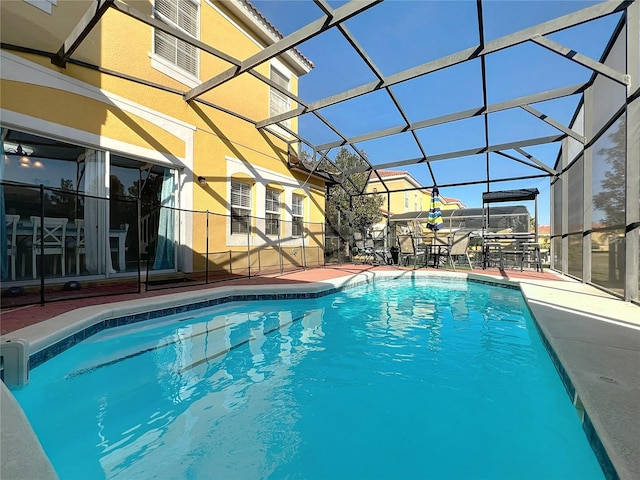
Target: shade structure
519 195
434 221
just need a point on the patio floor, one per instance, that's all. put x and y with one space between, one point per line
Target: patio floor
12 319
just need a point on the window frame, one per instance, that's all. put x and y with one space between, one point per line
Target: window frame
272 215
185 74
240 214
297 216
279 97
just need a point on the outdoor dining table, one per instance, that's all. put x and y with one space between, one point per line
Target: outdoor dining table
514 243
25 229
436 251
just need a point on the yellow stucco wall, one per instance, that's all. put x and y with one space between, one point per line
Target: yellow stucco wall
89 115
121 44
397 199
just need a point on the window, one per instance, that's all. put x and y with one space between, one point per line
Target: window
298 216
415 202
406 200
184 15
240 207
272 208
279 103
44 5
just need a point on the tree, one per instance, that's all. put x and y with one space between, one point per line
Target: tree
610 201
61 202
345 201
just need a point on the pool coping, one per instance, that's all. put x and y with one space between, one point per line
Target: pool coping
567 333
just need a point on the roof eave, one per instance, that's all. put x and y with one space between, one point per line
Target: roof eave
268 34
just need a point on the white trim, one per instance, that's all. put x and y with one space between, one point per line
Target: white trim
164 65
404 176
261 31
46 128
262 177
18 69
44 5
282 68
303 216
21 70
173 71
260 174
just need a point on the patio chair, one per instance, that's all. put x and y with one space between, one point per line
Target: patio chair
531 255
459 248
372 257
80 243
408 251
48 238
115 246
439 250
361 252
11 222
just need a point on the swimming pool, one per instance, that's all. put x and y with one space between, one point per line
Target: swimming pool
402 379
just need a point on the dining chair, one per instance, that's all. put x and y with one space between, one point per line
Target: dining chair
11 222
80 243
115 247
408 250
439 249
49 238
459 248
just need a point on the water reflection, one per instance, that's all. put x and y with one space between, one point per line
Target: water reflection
248 393
219 397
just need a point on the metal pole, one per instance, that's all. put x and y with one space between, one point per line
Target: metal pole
280 249
632 216
324 245
339 236
206 250
146 281
304 256
249 248
388 235
536 217
138 220
41 244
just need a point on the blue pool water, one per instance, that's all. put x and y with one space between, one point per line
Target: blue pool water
396 380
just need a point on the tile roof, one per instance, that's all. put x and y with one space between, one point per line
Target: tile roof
272 28
390 173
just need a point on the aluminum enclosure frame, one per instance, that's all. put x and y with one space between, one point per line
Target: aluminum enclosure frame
330 18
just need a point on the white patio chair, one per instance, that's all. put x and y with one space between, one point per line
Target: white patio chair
48 239
11 222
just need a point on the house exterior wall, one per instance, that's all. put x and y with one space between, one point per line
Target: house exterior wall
418 200
150 121
397 199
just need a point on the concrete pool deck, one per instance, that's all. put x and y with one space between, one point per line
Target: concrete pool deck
594 337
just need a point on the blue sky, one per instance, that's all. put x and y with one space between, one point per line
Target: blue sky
400 34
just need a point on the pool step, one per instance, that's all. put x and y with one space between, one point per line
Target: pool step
14 361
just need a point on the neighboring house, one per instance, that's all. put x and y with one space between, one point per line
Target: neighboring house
415 196
544 235
449 203
400 201
113 123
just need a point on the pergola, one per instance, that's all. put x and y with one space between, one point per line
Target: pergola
336 19
384 88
